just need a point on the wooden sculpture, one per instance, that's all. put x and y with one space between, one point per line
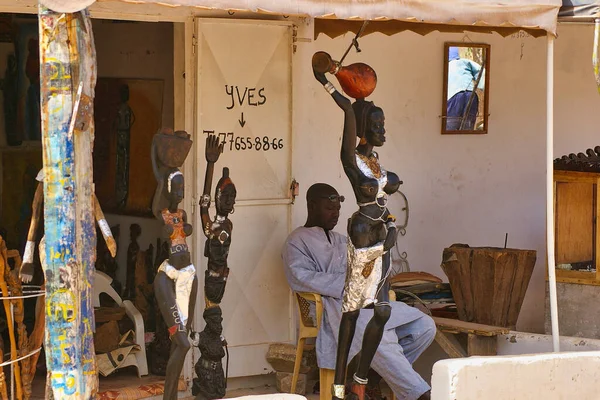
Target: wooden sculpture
211 382
371 229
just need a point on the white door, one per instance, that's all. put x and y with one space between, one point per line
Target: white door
244 95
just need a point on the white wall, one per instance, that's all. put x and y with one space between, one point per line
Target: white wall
136 50
576 95
461 188
554 376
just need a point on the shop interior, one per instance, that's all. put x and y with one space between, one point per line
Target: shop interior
133 100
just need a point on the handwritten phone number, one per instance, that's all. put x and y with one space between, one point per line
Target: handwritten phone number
264 143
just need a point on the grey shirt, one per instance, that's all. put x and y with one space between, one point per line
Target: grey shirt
314 264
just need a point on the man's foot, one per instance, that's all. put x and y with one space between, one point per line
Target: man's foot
425 396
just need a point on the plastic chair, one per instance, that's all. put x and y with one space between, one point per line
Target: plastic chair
102 285
310 328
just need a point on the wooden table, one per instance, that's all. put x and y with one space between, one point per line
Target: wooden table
480 339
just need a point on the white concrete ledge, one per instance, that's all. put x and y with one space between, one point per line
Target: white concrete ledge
519 343
274 396
554 376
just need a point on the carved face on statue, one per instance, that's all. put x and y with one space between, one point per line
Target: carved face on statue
226 193
226 200
175 188
375 129
370 123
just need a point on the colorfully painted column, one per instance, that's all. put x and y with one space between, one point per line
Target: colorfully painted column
68 78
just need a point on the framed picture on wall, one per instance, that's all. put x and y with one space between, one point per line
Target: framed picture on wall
127 113
466 91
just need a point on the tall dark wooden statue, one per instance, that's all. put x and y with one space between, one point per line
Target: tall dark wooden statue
175 284
371 229
211 381
123 123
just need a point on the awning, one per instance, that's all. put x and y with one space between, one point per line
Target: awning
579 9
528 14
338 27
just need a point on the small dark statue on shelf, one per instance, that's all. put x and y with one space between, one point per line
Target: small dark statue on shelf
371 229
175 284
211 382
132 252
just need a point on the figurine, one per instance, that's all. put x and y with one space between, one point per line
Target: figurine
371 229
124 122
175 284
132 254
211 382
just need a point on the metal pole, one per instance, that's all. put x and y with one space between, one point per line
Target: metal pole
550 192
595 60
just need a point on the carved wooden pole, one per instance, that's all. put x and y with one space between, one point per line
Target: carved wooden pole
68 78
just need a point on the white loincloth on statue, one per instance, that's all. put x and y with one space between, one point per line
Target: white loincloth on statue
361 291
184 279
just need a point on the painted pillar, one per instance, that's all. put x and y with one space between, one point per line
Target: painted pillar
68 65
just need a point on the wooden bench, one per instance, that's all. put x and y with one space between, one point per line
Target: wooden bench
480 339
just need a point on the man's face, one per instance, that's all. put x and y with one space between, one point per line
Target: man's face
327 211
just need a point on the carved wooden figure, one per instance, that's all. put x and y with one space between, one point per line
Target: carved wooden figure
175 284
132 254
123 123
372 229
26 273
4 288
26 270
211 381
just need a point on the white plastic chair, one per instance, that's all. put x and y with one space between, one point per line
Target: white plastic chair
102 285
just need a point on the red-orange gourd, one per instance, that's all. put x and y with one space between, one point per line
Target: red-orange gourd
357 80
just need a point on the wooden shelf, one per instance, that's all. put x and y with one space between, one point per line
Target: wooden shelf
577 235
579 277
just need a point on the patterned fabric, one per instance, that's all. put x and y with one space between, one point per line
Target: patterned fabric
139 392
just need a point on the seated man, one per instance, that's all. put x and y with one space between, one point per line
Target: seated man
314 258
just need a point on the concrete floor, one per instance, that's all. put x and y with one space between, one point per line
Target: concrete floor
125 380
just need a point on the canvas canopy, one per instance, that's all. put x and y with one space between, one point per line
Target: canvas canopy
529 14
